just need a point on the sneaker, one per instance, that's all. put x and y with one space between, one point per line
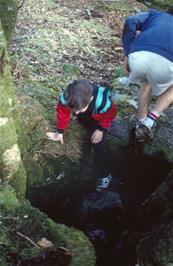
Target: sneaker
143 133
104 183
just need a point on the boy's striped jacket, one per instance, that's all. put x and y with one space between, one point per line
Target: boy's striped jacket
101 109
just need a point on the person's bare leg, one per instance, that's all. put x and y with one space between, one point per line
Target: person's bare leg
164 100
143 100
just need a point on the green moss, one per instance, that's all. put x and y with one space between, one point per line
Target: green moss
12 170
119 6
124 108
162 4
76 241
8 200
156 248
115 5
8 14
19 181
71 70
20 218
52 4
7 131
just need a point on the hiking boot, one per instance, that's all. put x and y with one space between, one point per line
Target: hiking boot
143 133
104 183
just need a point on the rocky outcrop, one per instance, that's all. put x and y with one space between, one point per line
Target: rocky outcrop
12 169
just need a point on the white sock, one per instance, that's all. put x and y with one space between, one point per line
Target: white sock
151 119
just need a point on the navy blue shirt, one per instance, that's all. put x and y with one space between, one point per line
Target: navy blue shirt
150 31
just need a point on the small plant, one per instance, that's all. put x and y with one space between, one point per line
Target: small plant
124 109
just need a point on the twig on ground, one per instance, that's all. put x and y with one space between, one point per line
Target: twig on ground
99 61
27 238
21 4
8 218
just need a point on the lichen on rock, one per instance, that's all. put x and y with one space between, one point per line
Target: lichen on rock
11 160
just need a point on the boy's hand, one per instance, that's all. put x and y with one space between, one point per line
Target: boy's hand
55 136
97 136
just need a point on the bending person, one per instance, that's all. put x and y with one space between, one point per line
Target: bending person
148 47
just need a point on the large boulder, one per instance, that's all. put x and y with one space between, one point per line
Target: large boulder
12 169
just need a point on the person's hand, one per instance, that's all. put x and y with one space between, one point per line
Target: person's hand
55 136
126 65
97 136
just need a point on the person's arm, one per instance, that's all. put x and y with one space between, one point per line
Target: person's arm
107 117
131 26
63 115
104 123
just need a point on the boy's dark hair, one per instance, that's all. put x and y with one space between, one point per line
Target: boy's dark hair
78 94
170 10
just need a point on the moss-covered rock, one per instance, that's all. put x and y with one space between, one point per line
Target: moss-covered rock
157 247
12 169
22 227
8 14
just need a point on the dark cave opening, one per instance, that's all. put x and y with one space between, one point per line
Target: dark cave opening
112 219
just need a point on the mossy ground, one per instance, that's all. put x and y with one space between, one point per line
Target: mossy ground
160 4
22 227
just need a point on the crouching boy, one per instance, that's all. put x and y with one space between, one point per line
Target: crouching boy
95 110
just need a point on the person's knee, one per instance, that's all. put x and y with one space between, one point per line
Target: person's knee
146 86
171 88
145 91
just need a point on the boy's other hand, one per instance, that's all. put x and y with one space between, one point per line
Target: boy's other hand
97 136
55 136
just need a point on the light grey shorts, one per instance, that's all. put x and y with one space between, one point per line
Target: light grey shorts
151 67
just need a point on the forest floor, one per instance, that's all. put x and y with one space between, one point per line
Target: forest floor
58 41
